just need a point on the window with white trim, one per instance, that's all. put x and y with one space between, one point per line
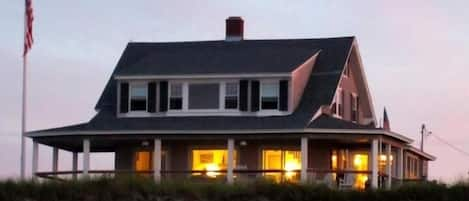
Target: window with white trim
231 95
138 97
175 96
339 103
269 95
354 107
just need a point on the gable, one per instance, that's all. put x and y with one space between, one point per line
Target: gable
353 85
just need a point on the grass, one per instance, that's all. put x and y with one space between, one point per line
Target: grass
144 189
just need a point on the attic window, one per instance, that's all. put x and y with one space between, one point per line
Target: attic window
339 106
138 97
354 107
231 95
175 96
269 95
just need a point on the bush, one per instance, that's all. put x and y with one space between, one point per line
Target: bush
144 189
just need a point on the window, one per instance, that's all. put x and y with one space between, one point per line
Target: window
231 96
354 107
204 95
269 96
339 106
138 97
287 160
175 96
210 160
412 167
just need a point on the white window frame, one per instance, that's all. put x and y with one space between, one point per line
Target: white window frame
184 91
261 82
223 95
131 84
338 99
354 107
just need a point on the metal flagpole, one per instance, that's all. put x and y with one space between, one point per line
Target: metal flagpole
23 107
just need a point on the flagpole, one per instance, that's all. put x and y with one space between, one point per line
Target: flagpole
23 107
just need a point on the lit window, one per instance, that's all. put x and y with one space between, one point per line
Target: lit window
175 96
231 96
269 96
143 161
286 160
210 160
360 163
138 97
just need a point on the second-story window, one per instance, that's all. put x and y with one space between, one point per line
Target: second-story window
231 95
138 97
269 95
175 96
354 107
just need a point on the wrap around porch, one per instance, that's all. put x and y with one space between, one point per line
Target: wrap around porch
338 161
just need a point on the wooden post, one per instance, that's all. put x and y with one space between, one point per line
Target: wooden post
35 158
388 166
55 159
74 165
374 163
86 157
304 160
229 173
400 164
157 160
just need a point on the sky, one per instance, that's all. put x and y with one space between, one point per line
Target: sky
414 54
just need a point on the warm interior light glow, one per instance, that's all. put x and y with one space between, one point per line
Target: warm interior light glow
290 161
210 160
360 163
142 161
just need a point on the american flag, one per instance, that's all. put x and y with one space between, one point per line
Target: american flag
28 27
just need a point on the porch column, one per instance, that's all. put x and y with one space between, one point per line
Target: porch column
229 173
157 160
400 164
35 158
388 166
55 159
374 163
304 160
74 165
86 157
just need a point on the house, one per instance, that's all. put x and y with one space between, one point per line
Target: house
295 110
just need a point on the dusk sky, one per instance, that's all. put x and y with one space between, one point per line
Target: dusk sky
415 55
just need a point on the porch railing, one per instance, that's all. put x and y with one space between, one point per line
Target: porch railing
331 178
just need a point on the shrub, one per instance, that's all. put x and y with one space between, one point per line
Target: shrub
143 189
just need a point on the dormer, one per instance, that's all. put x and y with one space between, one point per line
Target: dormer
235 94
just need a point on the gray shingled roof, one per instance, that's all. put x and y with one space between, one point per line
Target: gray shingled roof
274 56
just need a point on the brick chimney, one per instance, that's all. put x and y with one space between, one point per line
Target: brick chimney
234 29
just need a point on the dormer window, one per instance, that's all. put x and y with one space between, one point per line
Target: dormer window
269 95
175 96
138 97
231 95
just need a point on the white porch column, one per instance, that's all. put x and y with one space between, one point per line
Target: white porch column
86 157
400 164
229 173
388 166
55 159
304 160
35 158
74 165
157 160
374 163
